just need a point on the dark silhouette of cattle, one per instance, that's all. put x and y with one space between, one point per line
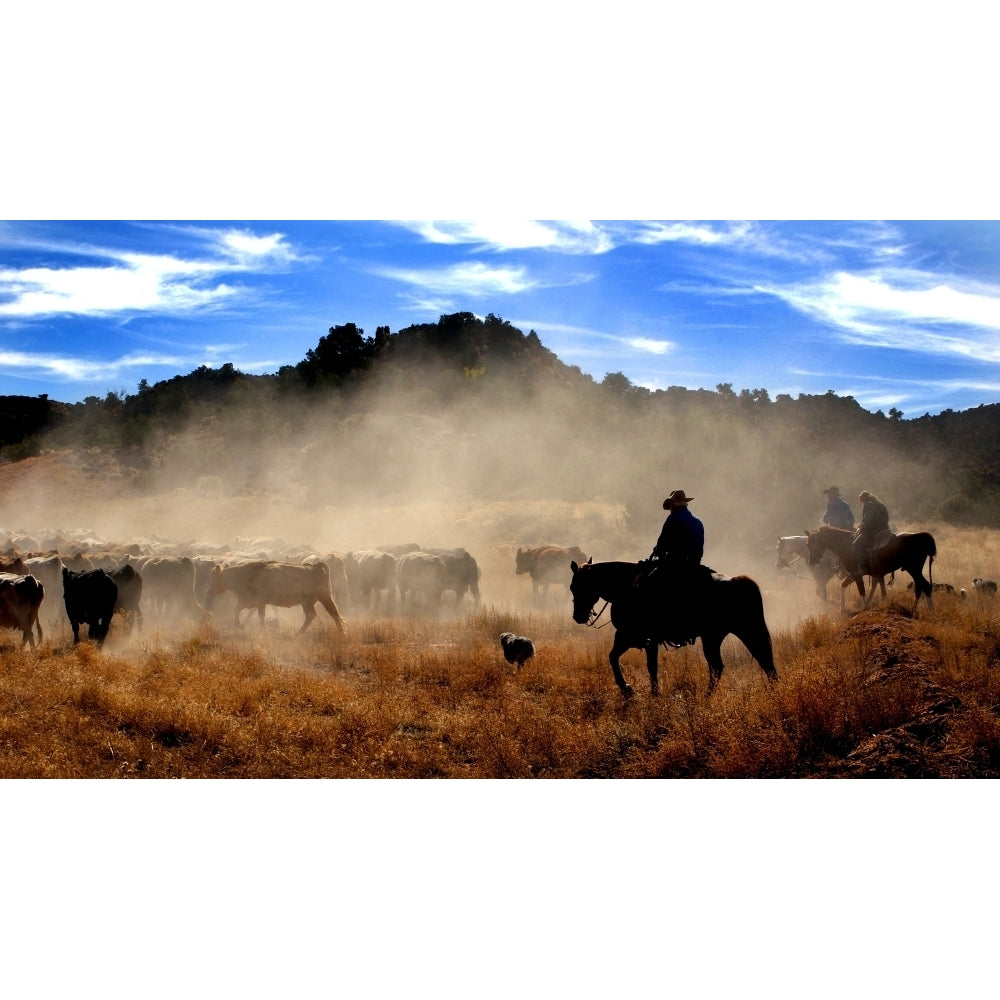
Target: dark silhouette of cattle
283 585
984 587
90 599
516 648
419 580
20 598
461 573
547 564
128 604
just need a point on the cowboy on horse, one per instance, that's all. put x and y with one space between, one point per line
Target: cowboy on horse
672 572
838 513
874 521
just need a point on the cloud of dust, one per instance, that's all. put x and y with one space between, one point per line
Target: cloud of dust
499 466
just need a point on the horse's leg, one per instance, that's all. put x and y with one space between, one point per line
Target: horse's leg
758 641
848 580
921 586
653 666
617 648
711 646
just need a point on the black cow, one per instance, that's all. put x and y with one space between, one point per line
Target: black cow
90 600
129 584
461 573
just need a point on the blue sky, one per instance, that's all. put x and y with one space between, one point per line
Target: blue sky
896 314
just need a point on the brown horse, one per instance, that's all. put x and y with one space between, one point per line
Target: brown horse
907 551
727 605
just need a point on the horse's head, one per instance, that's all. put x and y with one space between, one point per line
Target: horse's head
790 549
816 547
584 591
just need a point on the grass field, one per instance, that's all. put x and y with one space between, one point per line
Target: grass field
882 693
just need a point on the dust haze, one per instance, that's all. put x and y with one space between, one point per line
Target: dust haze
489 472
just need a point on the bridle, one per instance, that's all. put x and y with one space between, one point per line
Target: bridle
593 617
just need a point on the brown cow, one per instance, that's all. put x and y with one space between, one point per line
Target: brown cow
168 584
548 564
283 585
20 599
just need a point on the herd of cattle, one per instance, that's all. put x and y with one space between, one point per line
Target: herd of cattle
75 576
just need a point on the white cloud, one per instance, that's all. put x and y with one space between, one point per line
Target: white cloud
128 282
72 369
690 232
573 237
570 341
473 279
903 309
598 237
81 369
251 251
649 345
146 286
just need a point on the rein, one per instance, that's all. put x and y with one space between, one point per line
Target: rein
593 618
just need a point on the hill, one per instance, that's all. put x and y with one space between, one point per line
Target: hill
476 409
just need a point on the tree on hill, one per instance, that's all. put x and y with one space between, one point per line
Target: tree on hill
343 352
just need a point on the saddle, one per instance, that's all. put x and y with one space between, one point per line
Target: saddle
679 595
881 540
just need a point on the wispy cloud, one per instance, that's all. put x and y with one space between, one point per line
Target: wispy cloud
518 234
64 368
578 341
599 237
903 308
88 291
82 369
472 279
121 281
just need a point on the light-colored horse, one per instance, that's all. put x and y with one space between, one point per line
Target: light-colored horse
795 548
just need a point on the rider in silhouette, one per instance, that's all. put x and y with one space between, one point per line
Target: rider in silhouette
674 564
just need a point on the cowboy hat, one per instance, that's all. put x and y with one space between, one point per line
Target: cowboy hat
831 489
677 497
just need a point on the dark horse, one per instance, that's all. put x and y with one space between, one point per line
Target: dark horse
906 551
727 605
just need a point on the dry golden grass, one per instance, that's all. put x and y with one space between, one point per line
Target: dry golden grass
882 693
885 692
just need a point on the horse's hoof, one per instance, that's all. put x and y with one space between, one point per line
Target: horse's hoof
627 692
